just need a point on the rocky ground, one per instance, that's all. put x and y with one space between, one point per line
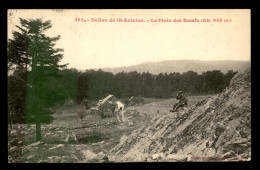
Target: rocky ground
215 129
211 128
68 139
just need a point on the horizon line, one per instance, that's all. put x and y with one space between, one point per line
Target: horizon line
157 62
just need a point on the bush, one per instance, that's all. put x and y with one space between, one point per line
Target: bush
81 114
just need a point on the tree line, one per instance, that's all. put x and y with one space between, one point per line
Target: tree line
95 85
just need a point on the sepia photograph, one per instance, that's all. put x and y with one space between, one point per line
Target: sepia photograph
129 85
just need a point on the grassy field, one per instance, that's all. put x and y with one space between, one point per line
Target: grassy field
68 138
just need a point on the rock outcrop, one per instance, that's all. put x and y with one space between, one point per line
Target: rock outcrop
215 129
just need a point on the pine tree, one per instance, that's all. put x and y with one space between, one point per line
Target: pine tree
42 59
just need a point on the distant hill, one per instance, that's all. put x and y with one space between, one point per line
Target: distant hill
183 66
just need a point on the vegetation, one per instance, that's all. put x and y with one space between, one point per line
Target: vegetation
36 60
95 85
38 82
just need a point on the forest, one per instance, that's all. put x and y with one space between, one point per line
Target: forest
97 84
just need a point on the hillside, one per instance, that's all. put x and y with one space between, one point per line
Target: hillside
215 129
183 66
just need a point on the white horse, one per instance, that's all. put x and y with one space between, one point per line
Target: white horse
120 111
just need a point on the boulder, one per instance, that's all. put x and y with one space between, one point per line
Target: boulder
130 123
177 157
158 156
91 156
57 146
123 139
229 154
30 156
35 144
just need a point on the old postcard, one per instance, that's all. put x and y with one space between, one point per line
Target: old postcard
129 85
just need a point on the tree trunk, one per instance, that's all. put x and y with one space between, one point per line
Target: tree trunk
35 88
37 116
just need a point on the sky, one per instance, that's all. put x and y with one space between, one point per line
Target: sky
92 45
